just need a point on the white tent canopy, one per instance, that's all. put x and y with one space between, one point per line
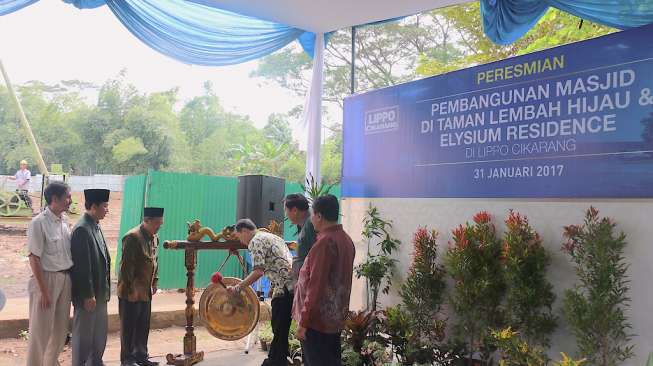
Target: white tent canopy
322 16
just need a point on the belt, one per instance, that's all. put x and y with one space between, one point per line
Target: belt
64 271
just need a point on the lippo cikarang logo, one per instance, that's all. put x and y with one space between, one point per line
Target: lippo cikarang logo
382 120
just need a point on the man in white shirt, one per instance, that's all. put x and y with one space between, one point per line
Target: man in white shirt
48 243
23 177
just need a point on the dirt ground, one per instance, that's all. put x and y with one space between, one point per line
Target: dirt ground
161 342
13 240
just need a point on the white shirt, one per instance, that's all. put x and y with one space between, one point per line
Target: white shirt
48 237
22 179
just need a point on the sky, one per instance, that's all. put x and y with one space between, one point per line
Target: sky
52 41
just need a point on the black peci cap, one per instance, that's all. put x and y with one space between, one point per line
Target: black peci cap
153 212
96 195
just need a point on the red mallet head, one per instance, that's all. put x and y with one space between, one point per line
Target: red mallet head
217 279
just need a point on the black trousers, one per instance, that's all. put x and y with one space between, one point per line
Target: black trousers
134 329
281 318
321 349
24 195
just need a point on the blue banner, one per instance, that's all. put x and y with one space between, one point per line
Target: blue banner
572 121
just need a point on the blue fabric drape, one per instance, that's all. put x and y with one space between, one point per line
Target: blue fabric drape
204 35
201 35
86 4
10 6
193 33
505 21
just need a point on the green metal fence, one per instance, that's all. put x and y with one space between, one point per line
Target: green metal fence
186 197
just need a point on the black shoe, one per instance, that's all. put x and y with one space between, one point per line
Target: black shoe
148 363
129 363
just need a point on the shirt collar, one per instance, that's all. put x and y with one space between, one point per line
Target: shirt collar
50 215
308 218
146 233
331 229
303 225
92 221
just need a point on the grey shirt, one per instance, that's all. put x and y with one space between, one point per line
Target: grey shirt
48 237
305 239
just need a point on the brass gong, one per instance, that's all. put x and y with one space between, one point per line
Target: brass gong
229 317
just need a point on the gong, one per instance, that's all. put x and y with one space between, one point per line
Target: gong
229 317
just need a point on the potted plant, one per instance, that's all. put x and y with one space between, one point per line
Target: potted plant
265 335
377 268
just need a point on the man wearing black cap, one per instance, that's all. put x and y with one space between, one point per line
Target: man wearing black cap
137 283
91 281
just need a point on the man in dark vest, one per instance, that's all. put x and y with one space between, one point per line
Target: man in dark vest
90 281
137 283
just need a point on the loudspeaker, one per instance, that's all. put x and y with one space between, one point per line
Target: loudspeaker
260 198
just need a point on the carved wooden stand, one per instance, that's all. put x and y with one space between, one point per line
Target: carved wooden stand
191 356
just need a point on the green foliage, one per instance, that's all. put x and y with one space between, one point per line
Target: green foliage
351 357
378 268
128 149
473 262
314 189
529 295
514 351
405 339
362 344
265 332
568 361
129 132
596 307
471 47
422 293
372 353
376 353
358 325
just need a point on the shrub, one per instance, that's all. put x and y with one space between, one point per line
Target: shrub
473 262
529 295
595 307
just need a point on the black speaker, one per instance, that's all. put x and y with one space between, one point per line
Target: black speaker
260 198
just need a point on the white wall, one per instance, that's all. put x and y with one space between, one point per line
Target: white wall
548 217
78 183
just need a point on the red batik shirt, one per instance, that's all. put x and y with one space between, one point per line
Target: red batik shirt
322 292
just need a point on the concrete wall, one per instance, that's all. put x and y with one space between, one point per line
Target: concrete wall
548 217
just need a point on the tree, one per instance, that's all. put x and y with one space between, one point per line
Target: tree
278 129
127 152
555 28
200 117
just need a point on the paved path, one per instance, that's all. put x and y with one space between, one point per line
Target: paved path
18 308
224 358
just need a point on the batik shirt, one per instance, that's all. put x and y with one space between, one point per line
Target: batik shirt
271 254
322 293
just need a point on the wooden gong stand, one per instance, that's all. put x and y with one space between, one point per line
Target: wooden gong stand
190 355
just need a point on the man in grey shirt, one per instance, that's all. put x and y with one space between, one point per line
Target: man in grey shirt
48 243
296 210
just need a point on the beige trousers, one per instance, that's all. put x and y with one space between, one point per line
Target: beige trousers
48 327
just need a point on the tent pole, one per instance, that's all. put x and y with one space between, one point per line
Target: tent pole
353 60
25 123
